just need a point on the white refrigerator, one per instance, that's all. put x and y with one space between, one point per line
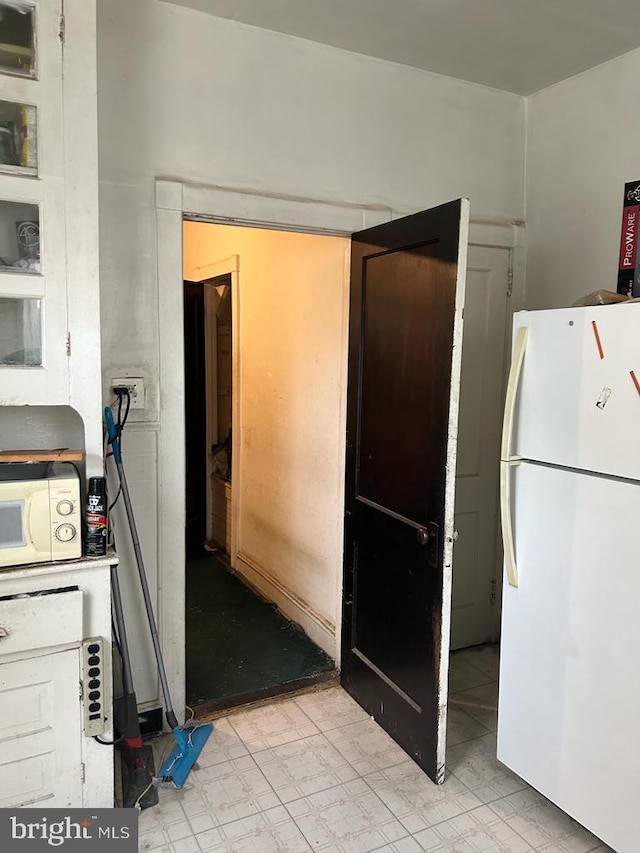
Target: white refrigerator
569 704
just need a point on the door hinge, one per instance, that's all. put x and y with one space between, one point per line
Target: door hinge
83 772
68 343
494 591
61 29
510 280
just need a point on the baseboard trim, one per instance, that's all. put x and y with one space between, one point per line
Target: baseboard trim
317 627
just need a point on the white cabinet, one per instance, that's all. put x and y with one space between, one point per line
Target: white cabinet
47 613
49 299
40 751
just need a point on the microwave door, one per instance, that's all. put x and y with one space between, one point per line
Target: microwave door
12 524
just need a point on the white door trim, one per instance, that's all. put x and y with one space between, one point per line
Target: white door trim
176 201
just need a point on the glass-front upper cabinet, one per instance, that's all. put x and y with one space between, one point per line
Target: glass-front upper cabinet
17 38
33 320
18 139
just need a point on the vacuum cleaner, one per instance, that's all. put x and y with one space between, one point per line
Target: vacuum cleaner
191 738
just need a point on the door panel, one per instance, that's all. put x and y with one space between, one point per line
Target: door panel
478 557
400 289
407 289
383 594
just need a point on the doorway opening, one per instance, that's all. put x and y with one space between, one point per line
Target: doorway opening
263 339
175 201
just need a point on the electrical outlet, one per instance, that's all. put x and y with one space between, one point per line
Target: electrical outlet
135 386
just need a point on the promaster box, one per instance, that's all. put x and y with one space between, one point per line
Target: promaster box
629 264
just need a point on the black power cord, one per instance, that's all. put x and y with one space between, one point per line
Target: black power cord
121 392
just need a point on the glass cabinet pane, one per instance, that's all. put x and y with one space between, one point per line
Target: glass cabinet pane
19 237
17 24
18 138
20 332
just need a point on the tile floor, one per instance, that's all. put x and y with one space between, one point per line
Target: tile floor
316 773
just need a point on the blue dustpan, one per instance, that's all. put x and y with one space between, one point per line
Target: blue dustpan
191 740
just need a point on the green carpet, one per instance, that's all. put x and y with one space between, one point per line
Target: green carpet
237 643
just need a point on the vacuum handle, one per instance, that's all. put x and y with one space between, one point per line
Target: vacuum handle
113 434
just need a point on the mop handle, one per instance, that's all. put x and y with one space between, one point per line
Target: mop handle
115 442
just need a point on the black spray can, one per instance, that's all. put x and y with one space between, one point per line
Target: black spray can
95 518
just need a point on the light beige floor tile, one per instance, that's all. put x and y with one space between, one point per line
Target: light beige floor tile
415 800
484 658
346 819
153 839
555 848
272 831
223 745
541 823
164 826
179 830
461 727
463 675
331 708
272 725
601 848
480 703
226 792
167 812
366 746
478 831
476 766
186 845
405 845
304 767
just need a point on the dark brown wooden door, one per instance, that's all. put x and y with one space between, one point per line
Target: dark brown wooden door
407 288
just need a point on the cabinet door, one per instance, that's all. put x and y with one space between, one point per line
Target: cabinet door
40 732
33 295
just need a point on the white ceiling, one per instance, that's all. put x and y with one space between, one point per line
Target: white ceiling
517 45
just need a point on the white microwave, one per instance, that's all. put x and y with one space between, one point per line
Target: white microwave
40 518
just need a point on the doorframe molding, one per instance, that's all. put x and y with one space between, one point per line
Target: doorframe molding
227 266
176 201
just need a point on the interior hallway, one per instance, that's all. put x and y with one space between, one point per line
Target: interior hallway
240 646
314 772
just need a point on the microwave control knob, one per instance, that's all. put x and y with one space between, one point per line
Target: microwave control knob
65 532
65 508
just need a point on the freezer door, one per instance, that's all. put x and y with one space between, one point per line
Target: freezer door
578 403
569 701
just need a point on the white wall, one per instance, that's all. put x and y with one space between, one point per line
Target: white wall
293 292
582 148
185 95
188 95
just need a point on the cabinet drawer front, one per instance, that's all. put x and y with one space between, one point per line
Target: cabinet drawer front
37 621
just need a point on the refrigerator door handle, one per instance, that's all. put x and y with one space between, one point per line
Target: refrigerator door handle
507 522
507 460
